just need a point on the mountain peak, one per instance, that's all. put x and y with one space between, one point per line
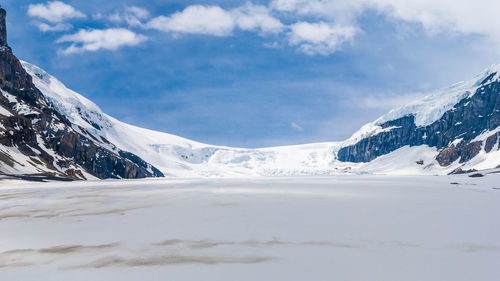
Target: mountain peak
3 28
489 75
494 68
459 122
37 139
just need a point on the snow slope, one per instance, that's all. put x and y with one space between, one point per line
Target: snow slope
176 156
180 157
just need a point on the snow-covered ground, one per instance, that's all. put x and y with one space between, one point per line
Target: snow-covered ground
322 228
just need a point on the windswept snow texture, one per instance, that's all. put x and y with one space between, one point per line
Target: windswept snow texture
180 157
281 229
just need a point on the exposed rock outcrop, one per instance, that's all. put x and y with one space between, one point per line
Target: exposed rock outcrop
30 125
3 28
453 134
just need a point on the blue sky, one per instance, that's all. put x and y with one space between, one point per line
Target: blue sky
255 73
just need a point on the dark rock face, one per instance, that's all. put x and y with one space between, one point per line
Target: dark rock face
448 155
39 132
3 28
490 142
465 121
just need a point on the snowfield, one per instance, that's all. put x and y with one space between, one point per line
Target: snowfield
317 228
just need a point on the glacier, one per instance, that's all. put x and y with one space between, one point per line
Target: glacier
179 157
365 227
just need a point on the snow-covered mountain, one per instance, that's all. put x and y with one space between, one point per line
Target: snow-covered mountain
391 148
176 156
461 123
37 139
48 129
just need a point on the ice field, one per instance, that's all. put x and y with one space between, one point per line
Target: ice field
327 228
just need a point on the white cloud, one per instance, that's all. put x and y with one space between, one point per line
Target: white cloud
296 126
133 16
210 20
319 38
287 5
255 17
463 16
342 12
97 16
479 17
213 20
311 38
138 12
94 40
336 21
54 11
316 27
56 27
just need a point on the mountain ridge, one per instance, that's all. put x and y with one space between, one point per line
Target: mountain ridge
453 127
177 156
37 139
48 129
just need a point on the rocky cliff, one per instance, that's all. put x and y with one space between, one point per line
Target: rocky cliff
460 134
37 139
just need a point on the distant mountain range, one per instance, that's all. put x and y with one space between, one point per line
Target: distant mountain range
47 129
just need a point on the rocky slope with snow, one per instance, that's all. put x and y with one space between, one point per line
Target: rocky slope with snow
461 122
37 139
431 136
